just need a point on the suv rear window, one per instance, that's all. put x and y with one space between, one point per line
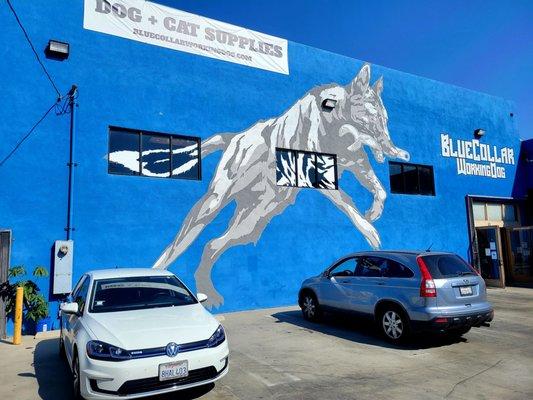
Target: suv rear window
446 266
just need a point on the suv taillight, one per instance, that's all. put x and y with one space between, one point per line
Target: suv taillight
427 286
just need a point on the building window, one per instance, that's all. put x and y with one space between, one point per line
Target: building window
411 178
306 169
494 212
151 154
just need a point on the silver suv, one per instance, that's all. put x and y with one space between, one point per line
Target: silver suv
402 291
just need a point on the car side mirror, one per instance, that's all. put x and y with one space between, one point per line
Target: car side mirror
201 297
70 308
326 275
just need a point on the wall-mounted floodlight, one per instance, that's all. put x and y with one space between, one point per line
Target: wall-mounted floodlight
329 104
58 50
479 133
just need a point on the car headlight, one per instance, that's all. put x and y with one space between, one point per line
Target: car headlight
217 338
104 351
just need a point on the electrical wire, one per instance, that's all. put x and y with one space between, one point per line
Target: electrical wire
29 133
33 48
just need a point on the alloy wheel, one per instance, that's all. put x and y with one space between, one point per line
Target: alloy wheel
309 307
392 325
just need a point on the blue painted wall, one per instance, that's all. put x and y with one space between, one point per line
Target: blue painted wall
128 221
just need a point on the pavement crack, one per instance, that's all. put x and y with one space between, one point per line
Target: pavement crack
472 376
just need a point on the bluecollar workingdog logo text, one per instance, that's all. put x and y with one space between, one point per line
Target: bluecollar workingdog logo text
475 158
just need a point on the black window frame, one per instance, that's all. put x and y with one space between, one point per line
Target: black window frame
140 134
315 154
404 189
339 263
369 258
410 273
76 294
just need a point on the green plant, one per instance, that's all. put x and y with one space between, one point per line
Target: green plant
35 306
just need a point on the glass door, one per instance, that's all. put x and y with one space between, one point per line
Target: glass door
520 258
490 255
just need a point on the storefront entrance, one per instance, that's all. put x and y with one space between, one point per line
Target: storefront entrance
501 247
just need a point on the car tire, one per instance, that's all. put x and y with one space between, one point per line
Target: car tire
394 324
310 307
76 386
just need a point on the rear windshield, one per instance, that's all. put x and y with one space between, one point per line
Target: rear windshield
447 266
140 292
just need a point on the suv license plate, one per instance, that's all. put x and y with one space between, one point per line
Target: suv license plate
173 370
465 290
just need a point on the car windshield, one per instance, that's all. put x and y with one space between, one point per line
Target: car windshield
447 266
139 292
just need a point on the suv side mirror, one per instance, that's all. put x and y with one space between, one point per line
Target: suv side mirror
201 297
70 308
325 274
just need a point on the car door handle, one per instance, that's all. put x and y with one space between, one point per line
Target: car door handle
345 281
381 283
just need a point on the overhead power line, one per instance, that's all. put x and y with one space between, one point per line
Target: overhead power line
7 157
33 48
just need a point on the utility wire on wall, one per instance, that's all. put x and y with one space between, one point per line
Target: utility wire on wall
19 143
33 48
61 107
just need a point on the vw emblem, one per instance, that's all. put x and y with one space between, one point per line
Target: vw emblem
466 281
172 349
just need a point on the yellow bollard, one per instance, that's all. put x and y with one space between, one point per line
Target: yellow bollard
18 316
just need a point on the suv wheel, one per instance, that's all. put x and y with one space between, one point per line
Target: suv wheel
310 307
394 324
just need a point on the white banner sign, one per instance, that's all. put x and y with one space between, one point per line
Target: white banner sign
159 25
475 158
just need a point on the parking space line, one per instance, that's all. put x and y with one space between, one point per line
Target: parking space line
292 377
261 379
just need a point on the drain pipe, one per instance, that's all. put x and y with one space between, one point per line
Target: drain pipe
72 95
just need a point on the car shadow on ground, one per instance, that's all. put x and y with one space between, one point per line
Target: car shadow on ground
54 378
52 372
362 330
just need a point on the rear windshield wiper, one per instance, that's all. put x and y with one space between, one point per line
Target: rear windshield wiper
463 273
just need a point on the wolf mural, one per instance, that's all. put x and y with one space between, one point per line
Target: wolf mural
247 173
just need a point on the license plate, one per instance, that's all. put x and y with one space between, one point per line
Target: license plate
173 370
465 290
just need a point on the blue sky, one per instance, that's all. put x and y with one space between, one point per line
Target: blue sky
481 45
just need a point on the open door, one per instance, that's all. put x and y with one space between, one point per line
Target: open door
490 255
5 251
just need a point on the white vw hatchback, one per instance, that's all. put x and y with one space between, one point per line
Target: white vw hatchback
129 333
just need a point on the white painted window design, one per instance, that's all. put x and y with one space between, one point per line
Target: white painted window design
155 155
326 171
306 169
285 168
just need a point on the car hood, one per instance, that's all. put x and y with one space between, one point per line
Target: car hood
155 327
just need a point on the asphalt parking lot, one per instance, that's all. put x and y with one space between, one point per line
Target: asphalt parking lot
276 354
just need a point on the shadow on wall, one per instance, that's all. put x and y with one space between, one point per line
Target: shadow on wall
54 378
524 171
361 330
